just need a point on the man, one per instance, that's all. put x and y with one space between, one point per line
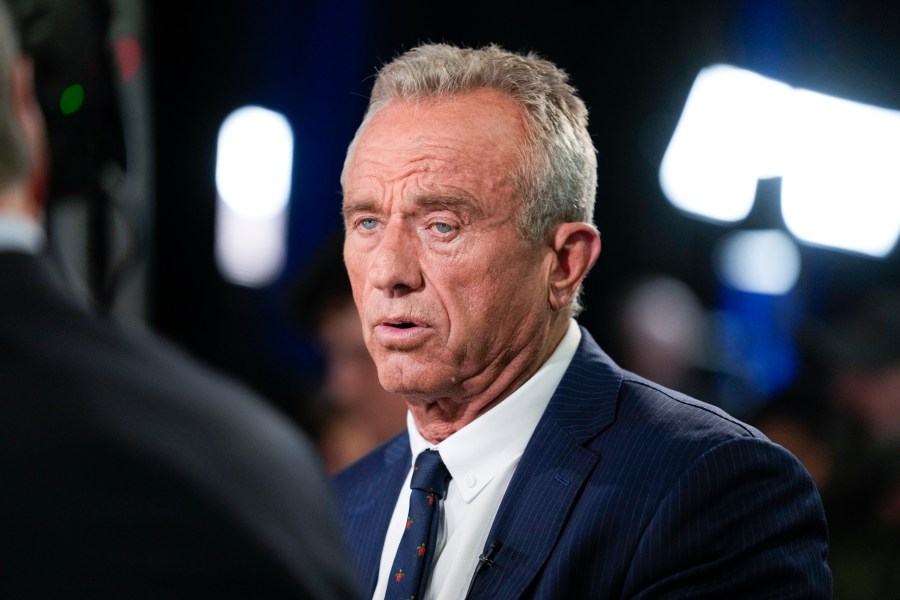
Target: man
468 201
126 470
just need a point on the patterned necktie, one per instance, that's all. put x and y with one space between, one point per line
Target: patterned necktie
412 563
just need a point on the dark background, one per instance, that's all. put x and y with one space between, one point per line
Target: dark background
313 61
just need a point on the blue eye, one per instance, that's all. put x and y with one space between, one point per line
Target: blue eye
368 224
443 228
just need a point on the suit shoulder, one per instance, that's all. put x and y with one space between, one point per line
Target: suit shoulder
654 421
671 437
640 397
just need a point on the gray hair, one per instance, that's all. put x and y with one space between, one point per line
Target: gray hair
557 176
13 150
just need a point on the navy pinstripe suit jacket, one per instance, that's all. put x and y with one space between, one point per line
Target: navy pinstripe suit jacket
626 490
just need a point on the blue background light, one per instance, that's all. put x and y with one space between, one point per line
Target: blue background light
313 62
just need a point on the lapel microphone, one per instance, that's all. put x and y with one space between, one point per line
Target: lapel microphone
484 561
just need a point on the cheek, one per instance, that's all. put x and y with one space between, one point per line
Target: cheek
515 276
355 252
496 291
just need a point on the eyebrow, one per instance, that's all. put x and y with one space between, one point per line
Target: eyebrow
357 206
458 204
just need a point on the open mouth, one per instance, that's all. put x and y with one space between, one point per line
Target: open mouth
403 325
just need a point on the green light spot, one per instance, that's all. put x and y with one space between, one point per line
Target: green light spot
71 99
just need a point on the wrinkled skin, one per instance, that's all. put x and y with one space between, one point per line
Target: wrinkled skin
457 308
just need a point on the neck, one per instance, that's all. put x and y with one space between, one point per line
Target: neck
439 418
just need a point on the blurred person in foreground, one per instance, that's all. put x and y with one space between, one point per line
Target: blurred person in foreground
352 414
538 467
128 471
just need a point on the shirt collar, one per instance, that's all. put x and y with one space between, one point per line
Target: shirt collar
19 233
475 454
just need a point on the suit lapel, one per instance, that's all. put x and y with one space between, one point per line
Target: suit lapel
368 517
552 472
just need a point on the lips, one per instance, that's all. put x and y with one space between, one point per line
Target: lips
400 332
400 321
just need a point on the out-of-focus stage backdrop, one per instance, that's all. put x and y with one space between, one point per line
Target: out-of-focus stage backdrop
181 69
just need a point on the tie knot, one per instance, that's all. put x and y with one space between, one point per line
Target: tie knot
430 474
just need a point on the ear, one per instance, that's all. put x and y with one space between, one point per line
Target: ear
574 250
31 123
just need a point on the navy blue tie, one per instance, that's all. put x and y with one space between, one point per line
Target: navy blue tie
412 563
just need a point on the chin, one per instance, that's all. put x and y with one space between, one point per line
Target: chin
410 388
414 381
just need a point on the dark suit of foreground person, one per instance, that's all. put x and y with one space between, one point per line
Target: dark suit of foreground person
468 205
125 470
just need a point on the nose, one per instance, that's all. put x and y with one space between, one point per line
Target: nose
395 267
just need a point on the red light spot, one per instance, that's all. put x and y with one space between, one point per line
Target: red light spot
128 56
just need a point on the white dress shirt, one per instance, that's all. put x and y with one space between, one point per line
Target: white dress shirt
20 234
481 458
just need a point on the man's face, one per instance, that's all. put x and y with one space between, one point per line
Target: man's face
451 298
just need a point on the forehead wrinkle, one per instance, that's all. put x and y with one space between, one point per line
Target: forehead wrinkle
414 147
373 167
372 177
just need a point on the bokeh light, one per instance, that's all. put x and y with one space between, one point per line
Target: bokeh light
71 99
254 164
